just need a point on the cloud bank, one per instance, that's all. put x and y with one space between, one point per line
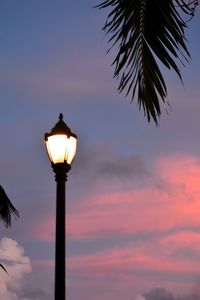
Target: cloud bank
18 265
163 294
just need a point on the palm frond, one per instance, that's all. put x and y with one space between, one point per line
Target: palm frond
146 31
188 7
1 266
6 208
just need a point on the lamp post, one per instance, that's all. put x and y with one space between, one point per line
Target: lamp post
61 146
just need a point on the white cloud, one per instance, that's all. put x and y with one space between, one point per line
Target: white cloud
13 258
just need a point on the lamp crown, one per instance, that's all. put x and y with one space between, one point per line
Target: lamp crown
61 127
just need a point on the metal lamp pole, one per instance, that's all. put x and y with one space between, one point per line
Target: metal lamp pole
61 146
60 171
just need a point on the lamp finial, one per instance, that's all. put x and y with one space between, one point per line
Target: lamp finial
60 116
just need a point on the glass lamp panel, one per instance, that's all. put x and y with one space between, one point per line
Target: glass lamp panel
57 147
71 149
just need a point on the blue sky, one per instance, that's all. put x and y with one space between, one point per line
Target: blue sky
133 193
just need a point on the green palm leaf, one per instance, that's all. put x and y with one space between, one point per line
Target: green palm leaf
147 31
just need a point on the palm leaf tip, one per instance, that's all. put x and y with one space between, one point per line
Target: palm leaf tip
1 266
146 33
7 209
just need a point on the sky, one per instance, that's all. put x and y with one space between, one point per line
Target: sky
133 193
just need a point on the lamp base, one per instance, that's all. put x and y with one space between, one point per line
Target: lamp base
61 170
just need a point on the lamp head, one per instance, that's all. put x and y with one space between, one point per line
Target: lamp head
61 143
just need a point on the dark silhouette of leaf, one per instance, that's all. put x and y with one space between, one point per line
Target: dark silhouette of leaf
6 208
147 31
3 268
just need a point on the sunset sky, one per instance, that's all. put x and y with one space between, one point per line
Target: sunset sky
133 194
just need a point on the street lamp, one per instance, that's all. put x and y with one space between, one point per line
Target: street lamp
61 146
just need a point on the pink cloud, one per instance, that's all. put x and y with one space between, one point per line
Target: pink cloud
165 210
130 270
137 258
146 263
43 229
182 171
172 203
147 209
